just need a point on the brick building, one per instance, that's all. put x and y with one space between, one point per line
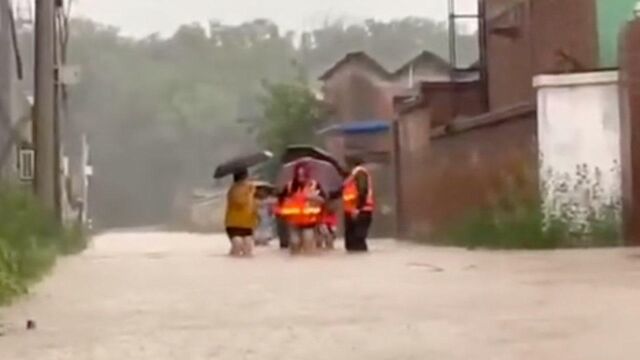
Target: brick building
449 122
458 151
529 37
358 89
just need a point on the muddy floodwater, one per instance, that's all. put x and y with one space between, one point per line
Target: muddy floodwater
163 296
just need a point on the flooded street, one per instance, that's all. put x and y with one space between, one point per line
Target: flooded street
177 296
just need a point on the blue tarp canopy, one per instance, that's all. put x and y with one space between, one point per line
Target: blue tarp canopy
368 127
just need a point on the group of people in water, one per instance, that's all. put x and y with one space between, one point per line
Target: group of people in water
308 211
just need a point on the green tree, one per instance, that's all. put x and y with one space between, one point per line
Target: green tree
291 115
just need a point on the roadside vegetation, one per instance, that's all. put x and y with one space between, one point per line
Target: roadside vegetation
30 241
579 216
528 228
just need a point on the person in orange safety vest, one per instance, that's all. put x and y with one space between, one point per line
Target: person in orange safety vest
301 207
359 204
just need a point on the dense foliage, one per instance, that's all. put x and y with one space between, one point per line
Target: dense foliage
30 241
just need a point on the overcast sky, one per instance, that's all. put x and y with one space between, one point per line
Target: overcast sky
143 17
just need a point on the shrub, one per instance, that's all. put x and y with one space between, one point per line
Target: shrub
528 230
10 285
30 240
578 213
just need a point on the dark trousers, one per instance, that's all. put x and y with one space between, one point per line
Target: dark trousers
356 231
283 232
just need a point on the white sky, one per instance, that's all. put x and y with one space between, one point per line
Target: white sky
143 17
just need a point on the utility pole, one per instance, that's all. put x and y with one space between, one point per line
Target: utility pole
56 113
44 107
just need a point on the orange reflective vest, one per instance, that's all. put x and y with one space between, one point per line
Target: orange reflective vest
298 210
350 193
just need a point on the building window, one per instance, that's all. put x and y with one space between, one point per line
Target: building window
26 164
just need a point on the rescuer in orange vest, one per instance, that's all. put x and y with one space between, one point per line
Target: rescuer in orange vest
358 204
301 207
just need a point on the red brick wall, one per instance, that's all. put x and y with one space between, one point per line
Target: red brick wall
441 104
447 101
567 26
509 58
468 170
413 137
548 28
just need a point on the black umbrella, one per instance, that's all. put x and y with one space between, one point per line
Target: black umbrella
297 152
240 163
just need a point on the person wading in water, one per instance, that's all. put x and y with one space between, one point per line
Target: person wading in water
358 203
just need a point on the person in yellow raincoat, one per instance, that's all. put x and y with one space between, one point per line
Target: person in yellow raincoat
241 217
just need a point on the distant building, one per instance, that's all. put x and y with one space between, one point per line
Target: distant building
357 88
429 67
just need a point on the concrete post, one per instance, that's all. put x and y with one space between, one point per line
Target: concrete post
44 109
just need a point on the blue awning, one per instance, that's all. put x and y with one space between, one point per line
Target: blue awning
368 127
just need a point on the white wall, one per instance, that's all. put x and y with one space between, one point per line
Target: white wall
579 142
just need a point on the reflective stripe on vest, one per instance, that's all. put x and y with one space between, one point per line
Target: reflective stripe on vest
298 210
350 192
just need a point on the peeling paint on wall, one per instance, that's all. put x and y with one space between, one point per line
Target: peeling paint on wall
579 144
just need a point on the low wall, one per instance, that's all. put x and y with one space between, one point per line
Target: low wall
470 166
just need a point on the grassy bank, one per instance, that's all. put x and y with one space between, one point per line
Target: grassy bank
579 212
523 226
30 241
526 230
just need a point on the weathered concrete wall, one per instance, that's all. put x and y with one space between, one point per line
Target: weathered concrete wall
579 143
